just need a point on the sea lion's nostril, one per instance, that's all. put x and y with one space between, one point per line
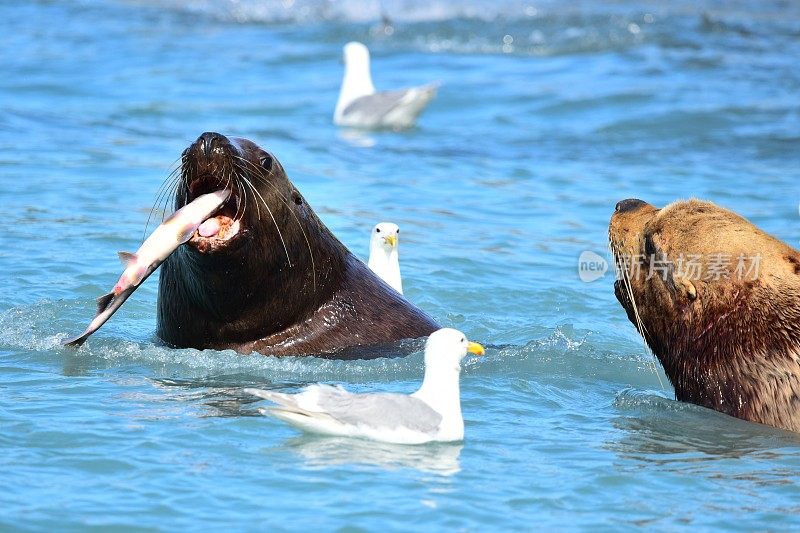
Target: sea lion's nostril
630 204
208 141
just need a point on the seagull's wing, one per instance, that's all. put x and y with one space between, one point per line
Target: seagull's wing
376 411
374 108
376 104
379 410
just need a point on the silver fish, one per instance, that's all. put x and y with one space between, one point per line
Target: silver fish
166 238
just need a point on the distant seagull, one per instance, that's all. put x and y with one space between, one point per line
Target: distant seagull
383 254
433 413
360 106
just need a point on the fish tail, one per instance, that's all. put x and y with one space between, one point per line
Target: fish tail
103 304
77 342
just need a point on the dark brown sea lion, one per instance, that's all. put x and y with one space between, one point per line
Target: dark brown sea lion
268 276
718 302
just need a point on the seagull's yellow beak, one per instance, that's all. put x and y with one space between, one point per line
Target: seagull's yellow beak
391 240
477 349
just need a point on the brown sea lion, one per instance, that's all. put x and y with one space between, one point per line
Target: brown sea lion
265 275
718 302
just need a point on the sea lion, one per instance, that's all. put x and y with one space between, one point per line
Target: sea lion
265 275
718 302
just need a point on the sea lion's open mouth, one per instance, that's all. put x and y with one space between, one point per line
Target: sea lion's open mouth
219 232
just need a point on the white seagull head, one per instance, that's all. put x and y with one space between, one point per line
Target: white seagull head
384 237
446 347
356 55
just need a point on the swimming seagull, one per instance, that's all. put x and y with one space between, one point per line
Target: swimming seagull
383 258
360 106
433 413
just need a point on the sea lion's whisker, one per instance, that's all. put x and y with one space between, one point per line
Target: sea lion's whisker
163 188
171 174
302 230
166 184
243 178
239 175
271 215
177 181
169 192
244 204
168 196
241 199
628 286
229 185
280 235
259 173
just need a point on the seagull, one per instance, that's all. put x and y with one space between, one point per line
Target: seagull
360 106
432 414
383 258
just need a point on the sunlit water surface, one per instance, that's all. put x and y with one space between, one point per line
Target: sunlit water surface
548 115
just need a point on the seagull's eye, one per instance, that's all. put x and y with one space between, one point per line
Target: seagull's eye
398 230
463 339
377 230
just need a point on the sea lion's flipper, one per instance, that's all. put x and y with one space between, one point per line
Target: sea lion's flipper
127 257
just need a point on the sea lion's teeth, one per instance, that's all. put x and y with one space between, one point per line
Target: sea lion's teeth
231 230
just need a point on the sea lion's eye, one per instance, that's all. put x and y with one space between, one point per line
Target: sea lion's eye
266 162
297 199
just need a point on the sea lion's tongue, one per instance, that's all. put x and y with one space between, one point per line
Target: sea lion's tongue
209 228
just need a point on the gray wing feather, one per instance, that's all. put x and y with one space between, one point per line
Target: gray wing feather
375 104
379 410
381 103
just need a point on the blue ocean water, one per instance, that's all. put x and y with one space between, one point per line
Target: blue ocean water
549 113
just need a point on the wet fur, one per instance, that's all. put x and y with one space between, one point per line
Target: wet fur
287 286
734 348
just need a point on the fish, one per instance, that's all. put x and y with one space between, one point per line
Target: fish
174 231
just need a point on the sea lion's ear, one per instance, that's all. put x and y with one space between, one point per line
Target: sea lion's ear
685 288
